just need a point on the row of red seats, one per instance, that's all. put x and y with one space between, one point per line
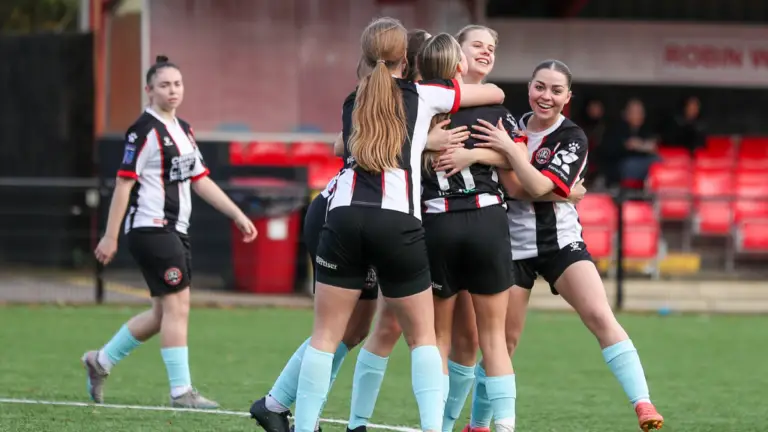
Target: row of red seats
721 153
722 189
722 197
318 157
642 232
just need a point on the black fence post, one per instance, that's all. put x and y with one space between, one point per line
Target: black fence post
620 250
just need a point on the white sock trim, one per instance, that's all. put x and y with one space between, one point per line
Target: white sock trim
274 406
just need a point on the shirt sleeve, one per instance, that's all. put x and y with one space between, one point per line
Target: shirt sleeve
442 96
568 164
201 169
512 127
139 148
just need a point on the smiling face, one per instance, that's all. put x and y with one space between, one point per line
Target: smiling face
479 47
548 93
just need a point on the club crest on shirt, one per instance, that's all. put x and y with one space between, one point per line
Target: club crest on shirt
542 155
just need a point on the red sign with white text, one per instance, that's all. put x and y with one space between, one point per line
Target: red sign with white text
723 61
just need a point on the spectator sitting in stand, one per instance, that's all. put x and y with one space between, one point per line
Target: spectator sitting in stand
629 148
686 129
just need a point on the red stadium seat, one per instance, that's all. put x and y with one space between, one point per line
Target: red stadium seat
599 241
267 153
672 187
236 150
638 213
707 159
720 145
306 153
754 164
752 237
641 230
754 147
675 157
751 198
597 209
321 174
641 242
713 191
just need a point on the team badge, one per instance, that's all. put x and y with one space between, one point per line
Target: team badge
543 155
173 276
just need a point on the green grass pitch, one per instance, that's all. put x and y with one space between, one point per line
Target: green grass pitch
707 373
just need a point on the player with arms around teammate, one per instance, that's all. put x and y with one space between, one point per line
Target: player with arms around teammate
374 220
468 245
160 163
372 361
271 411
546 238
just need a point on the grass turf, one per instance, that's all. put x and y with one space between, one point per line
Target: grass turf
706 372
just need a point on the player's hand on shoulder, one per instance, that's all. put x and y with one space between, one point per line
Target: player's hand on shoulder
245 225
440 138
497 138
106 249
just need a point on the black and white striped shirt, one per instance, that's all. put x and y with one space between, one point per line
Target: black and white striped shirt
541 228
399 189
346 115
474 187
163 157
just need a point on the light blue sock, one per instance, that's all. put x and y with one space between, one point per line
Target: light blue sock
427 381
338 359
625 364
446 387
121 344
286 385
177 364
482 411
461 379
502 393
314 382
366 383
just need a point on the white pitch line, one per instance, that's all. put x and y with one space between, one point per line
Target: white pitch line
190 410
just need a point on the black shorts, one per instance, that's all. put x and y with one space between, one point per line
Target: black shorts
164 257
356 238
313 226
550 266
469 250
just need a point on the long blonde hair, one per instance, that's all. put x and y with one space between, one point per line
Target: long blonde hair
439 58
378 119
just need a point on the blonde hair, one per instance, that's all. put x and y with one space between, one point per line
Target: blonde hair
439 58
462 34
378 119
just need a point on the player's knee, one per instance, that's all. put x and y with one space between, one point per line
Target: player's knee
513 338
176 306
389 332
600 321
